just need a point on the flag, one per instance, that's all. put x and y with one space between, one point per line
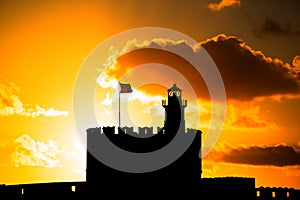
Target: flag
125 88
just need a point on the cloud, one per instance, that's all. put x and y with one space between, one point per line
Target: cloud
10 104
145 98
224 3
50 112
247 73
296 63
245 116
275 28
29 152
279 155
210 167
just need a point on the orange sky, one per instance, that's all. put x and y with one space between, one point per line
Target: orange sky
43 45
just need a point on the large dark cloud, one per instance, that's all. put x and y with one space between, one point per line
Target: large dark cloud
273 27
247 73
281 155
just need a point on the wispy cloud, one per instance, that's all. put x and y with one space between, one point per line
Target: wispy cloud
275 28
30 152
273 155
10 104
223 3
246 117
50 112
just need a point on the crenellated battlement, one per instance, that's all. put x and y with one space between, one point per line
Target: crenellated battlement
130 130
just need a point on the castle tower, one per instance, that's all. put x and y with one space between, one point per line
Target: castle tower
182 176
174 111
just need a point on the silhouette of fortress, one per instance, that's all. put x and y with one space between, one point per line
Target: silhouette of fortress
181 177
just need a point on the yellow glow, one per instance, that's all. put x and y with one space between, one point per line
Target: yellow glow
42 47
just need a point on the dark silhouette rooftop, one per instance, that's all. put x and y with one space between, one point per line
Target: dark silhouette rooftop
181 177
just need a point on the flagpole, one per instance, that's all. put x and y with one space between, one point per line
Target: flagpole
119 108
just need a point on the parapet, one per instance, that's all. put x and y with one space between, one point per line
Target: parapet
229 181
145 130
94 130
127 130
130 130
108 129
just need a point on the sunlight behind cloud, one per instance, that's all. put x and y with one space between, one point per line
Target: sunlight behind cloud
246 117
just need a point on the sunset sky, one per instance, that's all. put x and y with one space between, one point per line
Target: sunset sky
254 43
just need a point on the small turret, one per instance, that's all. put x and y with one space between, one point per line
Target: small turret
174 110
